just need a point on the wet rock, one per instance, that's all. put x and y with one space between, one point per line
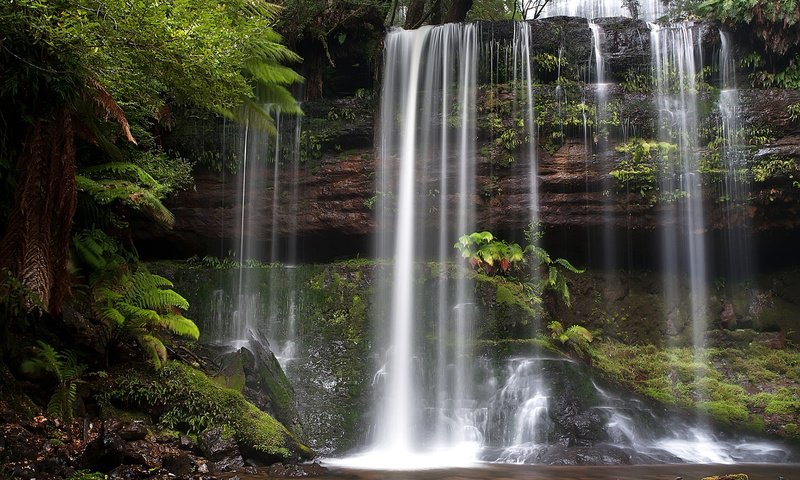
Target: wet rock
595 455
626 46
729 476
129 472
135 430
728 316
186 443
222 451
180 464
266 384
297 470
19 443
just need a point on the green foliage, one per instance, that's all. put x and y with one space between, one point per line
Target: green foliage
186 399
774 22
576 336
129 299
713 385
487 254
125 184
794 111
200 53
87 475
775 167
643 160
65 368
635 82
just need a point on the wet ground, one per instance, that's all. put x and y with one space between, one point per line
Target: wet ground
544 472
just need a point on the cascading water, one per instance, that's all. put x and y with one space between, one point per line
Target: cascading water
677 57
427 164
648 10
268 162
467 408
601 147
735 187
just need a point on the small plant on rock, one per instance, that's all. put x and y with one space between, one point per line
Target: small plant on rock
65 368
576 337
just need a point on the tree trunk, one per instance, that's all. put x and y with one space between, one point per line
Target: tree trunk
458 11
414 14
35 247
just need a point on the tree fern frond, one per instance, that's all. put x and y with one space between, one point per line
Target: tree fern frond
134 312
279 96
109 315
162 282
180 325
566 264
107 191
262 8
151 205
127 170
103 100
270 49
272 74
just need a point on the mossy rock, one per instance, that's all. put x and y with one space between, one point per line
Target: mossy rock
729 476
182 398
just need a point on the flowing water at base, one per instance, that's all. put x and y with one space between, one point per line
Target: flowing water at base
518 472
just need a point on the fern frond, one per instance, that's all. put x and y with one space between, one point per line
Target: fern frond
122 170
277 95
270 49
146 292
272 74
180 325
566 264
45 360
579 334
134 312
107 191
62 401
103 100
110 315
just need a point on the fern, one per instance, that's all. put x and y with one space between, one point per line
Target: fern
129 194
136 303
65 368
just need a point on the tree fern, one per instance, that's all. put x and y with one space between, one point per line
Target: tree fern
125 192
135 303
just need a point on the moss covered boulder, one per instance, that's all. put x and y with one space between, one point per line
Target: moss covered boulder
182 398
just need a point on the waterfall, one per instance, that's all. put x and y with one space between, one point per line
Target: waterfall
427 184
600 141
677 57
649 10
733 163
268 170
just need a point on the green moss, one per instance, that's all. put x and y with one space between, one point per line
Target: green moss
724 412
728 476
181 397
715 386
87 475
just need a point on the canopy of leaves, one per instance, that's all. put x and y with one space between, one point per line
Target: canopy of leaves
199 52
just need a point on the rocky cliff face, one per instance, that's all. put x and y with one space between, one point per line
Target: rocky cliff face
578 153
